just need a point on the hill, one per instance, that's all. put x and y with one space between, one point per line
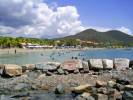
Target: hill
109 36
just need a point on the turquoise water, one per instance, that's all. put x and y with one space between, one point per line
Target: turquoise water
36 57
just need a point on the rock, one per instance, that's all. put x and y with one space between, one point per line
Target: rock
21 86
1 69
127 95
101 83
12 70
107 64
95 64
111 83
3 97
57 64
123 81
76 71
59 89
102 90
121 63
60 71
41 77
49 73
128 88
102 96
82 88
28 67
50 66
85 66
71 65
119 87
80 97
131 64
87 96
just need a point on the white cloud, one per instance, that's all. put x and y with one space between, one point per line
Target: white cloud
33 18
125 30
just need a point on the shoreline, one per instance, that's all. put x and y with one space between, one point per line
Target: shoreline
21 50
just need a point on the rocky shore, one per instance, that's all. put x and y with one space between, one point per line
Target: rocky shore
74 79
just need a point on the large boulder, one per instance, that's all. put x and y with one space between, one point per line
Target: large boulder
95 64
82 88
107 64
12 70
121 63
71 65
50 66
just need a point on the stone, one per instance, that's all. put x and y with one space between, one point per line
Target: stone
49 73
102 90
102 96
128 88
21 86
60 71
41 77
111 83
50 66
29 67
76 71
123 81
71 65
121 63
101 83
95 64
1 68
85 94
59 89
80 97
119 87
131 64
127 95
85 66
82 88
12 70
107 64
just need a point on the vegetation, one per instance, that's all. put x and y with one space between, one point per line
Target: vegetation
9 42
87 38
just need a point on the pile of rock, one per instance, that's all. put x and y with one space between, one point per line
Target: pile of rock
111 90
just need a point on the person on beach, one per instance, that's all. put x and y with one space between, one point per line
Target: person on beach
15 51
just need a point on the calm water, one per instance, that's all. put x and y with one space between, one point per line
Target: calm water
36 57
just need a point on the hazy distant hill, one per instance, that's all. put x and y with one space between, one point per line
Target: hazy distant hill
109 36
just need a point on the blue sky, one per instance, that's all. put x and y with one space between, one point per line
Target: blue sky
102 13
57 18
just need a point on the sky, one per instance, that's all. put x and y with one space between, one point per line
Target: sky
58 18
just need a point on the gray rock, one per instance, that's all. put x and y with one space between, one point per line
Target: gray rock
3 97
76 71
127 95
95 64
121 63
21 86
85 66
59 89
123 81
60 71
50 66
107 64
119 87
